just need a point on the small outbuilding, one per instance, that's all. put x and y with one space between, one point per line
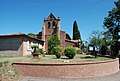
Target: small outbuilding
18 44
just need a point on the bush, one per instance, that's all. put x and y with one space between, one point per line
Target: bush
41 52
57 51
70 52
78 50
37 50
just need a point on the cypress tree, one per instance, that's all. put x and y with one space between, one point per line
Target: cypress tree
76 32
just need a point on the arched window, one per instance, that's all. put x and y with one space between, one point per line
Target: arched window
53 24
48 25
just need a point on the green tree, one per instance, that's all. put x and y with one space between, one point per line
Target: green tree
53 42
95 38
95 41
31 34
112 23
76 32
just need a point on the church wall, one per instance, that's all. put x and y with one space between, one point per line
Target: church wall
62 40
49 28
46 43
69 44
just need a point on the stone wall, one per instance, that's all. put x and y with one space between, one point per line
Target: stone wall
68 70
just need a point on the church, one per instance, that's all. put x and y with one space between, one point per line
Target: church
52 26
19 44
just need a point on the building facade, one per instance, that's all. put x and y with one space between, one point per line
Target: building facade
18 44
52 26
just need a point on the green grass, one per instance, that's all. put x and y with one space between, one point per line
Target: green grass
53 59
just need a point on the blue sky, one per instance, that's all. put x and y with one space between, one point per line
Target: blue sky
27 15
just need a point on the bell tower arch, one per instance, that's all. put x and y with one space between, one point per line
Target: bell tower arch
51 26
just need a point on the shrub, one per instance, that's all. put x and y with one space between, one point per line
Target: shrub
37 50
78 50
35 46
41 52
70 52
57 51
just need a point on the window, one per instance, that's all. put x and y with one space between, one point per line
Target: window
48 25
53 24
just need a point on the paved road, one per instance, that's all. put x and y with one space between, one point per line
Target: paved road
113 77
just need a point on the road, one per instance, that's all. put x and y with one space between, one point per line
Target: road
113 77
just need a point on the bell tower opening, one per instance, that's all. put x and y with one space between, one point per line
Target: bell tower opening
54 24
49 25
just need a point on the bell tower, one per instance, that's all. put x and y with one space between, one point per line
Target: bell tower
51 26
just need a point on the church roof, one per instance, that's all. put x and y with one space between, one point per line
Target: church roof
51 17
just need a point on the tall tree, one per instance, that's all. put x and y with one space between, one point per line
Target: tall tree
112 23
76 32
53 41
100 40
95 38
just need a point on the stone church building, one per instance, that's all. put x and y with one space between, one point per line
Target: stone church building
20 44
52 26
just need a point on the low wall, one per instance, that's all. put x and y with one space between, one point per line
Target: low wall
68 70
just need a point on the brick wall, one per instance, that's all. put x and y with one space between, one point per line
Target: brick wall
46 43
68 70
62 40
70 44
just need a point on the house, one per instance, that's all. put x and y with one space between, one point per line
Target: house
18 44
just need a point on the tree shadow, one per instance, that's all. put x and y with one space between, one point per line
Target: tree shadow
60 58
87 57
64 58
54 58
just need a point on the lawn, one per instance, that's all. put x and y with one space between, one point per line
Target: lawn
7 72
53 59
